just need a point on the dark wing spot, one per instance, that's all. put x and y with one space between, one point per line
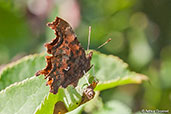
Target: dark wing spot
61 39
73 42
72 54
66 41
77 51
57 72
67 48
72 60
64 71
59 65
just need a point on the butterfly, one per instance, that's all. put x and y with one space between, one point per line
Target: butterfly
68 61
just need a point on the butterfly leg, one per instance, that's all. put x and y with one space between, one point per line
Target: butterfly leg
86 77
94 72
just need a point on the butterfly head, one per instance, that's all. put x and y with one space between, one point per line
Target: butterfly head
89 55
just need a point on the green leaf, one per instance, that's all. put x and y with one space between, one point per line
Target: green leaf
21 69
77 110
69 96
112 71
128 79
23 97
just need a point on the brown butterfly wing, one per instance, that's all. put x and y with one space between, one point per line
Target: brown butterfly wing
68 62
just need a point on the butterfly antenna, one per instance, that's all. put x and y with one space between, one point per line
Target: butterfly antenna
89 34
104 43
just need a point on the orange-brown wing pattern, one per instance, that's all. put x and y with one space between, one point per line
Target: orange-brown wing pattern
68 62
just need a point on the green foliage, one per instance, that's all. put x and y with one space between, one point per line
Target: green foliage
114 107
20 70
12 33
23 97
115 73
69 96
31 95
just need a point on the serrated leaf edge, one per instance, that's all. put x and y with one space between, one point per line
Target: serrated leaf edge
17 84
26 58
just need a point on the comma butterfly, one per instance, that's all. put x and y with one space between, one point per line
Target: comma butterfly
68 62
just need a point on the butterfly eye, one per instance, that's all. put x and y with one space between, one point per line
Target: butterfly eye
91 94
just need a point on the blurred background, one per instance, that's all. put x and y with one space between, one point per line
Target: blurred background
140 32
